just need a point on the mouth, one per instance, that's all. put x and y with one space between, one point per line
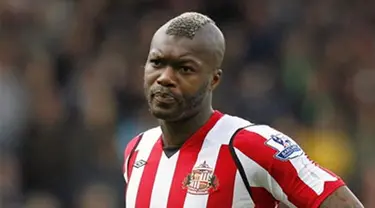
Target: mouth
164 98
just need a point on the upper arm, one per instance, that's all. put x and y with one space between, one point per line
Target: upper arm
284 169
341 198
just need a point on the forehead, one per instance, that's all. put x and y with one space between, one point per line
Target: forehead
178 47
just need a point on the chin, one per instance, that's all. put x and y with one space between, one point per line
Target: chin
166 114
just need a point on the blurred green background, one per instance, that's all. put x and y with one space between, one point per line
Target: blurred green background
71 88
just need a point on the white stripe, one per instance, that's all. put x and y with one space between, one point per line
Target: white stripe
259 177
220 134
144 148
241 197
312 175
126 169
163 181
126 178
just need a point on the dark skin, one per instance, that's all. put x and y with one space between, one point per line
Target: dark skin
180 76
342 198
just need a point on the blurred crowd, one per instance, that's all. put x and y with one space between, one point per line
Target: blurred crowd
71 91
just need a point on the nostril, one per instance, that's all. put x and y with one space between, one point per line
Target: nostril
166 84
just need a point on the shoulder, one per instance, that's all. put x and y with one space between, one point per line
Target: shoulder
263 144
135 141
133 144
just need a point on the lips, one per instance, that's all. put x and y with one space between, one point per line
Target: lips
164 98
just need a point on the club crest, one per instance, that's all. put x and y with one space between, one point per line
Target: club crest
201 180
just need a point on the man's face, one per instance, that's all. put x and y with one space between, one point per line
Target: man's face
177 77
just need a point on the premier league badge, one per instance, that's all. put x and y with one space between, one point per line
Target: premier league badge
286 148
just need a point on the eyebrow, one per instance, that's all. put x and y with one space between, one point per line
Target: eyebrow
155 53
188 60
185 58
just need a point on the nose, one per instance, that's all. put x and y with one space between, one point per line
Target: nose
167 77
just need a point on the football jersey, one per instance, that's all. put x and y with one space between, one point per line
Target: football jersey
228 162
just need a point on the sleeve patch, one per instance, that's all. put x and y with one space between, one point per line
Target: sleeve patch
286 148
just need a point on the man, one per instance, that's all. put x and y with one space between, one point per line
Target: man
199 157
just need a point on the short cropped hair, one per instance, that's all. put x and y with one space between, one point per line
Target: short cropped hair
187 24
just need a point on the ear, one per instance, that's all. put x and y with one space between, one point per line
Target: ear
216 78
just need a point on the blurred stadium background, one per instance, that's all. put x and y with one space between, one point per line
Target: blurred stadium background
71 88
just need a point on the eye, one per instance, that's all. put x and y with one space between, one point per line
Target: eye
186 69
156 63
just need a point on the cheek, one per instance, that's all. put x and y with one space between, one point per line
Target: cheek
194 86
149 76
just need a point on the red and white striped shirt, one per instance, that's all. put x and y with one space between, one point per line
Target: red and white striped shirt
203 173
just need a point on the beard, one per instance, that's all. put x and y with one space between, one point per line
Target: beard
184 107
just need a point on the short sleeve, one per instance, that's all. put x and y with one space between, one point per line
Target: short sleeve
277 163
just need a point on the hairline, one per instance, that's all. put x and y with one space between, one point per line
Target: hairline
187 24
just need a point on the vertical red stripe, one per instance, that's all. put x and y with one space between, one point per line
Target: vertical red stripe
184 166
225 172
148 177
186 160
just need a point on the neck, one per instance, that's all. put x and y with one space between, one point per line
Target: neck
176 133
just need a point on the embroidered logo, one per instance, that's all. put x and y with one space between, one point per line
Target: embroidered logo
201 180
286 148
140 163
